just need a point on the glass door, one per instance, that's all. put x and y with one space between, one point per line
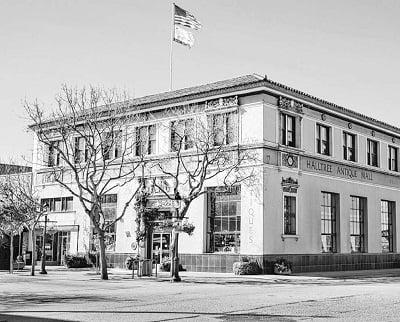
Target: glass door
63 246
160 246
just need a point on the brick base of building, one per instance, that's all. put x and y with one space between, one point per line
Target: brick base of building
223 263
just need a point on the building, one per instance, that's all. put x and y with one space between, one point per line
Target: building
20 243
326 198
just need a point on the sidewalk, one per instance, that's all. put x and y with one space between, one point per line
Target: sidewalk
116 273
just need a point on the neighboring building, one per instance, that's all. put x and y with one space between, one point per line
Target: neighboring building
20 242
326 199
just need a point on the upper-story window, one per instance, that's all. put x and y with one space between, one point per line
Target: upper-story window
182 134
323 139
288 130
58 204
393 158
80 150
112 145
54 157
224 127
146 140
349 146
372 153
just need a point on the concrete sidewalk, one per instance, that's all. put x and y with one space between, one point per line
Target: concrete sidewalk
116 273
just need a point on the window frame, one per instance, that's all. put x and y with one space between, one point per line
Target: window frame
332 221
112 150
391 159
149 144
391 225
188 136
228 136
283 127
284 231
346 147
319 140
361 222
372 158
210 224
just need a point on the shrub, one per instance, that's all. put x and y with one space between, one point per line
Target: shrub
246 268
166 265
283 266
131 262
76 261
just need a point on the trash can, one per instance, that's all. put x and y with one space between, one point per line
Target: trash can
145 267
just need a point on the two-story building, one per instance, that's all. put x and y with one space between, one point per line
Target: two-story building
326 198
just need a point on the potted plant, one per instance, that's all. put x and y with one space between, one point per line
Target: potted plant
283 267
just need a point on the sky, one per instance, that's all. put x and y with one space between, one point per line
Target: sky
344 51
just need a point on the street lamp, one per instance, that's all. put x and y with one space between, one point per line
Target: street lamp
43 263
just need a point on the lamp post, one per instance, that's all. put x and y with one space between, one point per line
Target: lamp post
43 263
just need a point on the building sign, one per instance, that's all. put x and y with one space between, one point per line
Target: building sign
163 203
348 172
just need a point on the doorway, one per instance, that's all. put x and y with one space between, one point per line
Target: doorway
63 246
160 243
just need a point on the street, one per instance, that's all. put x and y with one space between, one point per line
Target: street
80 296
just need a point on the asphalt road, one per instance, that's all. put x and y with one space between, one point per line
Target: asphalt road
80 296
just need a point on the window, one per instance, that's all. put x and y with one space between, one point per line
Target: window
224 127
146 140
349 147
81 152
289 215
58 204
112 145
223 220
182 134
329 209
372 153
357 224
323 139
393 163
109 208
387 218
288 130
54 157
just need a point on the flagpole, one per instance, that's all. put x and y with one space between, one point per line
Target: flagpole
172 46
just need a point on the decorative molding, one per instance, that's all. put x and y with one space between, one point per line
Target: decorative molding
323 117
290 160
373 133
350 125
393 140
290 185
222 102
291 105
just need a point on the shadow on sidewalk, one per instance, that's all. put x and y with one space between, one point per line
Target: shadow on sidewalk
22 318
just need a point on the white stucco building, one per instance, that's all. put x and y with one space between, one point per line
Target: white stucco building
326 198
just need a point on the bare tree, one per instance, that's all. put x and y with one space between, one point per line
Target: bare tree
19 208
202 150
88 147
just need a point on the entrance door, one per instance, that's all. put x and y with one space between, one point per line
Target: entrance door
160 246
63 246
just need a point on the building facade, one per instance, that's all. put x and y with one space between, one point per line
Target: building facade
326 197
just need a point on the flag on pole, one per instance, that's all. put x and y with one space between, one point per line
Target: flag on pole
185 18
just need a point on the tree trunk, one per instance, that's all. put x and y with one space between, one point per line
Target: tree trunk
11 253
33 243
103 260
175 257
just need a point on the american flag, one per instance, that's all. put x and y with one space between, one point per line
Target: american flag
185 18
